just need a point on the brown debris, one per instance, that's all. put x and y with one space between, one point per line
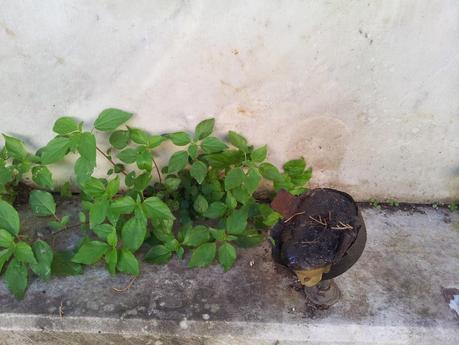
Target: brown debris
127 287
285 203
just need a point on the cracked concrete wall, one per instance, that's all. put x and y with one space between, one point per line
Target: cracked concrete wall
366 91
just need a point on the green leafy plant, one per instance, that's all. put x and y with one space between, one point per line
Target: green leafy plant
202 202
375 204
393 203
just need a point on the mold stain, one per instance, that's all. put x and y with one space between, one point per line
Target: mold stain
322 140
8 31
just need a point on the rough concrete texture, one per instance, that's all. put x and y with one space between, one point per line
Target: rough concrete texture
365 90
393 295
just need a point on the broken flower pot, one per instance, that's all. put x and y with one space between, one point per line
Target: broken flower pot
322 235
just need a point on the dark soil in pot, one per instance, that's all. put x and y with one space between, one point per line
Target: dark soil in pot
317 230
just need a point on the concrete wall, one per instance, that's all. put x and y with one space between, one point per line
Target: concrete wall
367 91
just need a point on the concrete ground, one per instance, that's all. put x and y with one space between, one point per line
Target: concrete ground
395 294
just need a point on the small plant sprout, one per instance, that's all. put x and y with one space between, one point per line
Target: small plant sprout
453 206
375 204
393 203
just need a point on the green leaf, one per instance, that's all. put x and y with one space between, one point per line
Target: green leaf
236 223
193 151
241 194
230 200
6 239
199 171
110 119
203 255
9 218
111 259
172 183
200 204
6 175
252 180
128 155
295 167
94 187
113 187
5 255
204 129
259 155
23 252
112 238
216 210
74 141
155 140
224 159
303 178
55 150
133 233
82 217
63 266
227 256
196 236
98 213
144 161
234 178
142 181
213 145
65 220
87 147
83 170
90 252
139 136
158 255
128 263
42 203
15 147
44 256
42 176
271 219
270 172
65 125
248 240
179 138
130 179
119 139
66 190
177 162
55 225
155 208
218 234
123 205
238 140
16 278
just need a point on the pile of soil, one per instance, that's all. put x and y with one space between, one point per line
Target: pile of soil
318 228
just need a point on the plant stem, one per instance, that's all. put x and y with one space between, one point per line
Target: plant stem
62 230
109 159
157 169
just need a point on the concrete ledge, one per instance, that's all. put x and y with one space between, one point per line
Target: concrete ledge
392 296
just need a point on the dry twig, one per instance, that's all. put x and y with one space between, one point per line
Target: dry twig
292 216
61 310
320 220
127 287
309 242
342 226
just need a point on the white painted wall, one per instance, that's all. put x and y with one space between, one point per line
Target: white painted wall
367 91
